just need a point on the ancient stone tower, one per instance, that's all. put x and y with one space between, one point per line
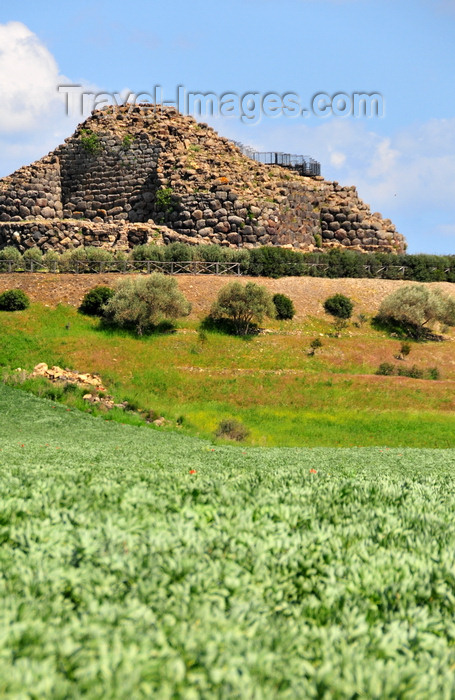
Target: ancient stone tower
138 174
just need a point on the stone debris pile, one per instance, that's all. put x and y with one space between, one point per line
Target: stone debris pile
96 395
57 374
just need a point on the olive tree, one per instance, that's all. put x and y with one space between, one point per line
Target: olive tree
415 308
243 305
142 303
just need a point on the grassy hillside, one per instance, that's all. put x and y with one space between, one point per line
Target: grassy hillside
139 564
283 396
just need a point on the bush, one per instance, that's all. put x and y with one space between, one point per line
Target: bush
405 349
9 255
345 263
275 262
69 258
212 253
415 309
243 305
179 252
82 259
163 200
95 254
14 300
90 141
339 325
33 255
240 255
413 372
232 430
339 306
142 303
386 369
316 344
148 252
94 300
284 307
51 259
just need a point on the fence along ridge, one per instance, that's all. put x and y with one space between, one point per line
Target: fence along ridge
173 267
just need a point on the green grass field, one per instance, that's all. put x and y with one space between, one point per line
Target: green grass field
282 395
267 573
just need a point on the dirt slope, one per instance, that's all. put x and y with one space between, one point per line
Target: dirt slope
308 293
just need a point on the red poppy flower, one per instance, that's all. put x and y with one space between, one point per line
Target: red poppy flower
313 471
193 471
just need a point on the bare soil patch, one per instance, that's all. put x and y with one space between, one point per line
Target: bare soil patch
307 293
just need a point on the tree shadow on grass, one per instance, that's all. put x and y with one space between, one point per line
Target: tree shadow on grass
162 328
404 331
225 326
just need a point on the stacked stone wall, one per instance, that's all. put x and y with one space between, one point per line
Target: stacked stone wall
135 166
61 235
33 191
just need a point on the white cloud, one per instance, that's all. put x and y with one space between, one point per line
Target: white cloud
32 112
29 79
337 159
415 166
408 176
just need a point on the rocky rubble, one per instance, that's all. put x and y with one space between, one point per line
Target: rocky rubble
137 174
57 374
93 382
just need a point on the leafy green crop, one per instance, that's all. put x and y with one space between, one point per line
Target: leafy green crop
139 564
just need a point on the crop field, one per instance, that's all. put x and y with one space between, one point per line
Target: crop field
137 564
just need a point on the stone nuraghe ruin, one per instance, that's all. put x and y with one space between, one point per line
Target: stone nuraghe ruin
139 174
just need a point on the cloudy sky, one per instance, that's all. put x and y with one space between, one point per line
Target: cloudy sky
403 162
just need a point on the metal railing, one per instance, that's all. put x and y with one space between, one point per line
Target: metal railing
305 165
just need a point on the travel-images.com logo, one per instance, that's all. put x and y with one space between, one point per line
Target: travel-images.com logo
249 107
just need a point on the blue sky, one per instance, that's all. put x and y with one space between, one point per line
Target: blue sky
402 163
